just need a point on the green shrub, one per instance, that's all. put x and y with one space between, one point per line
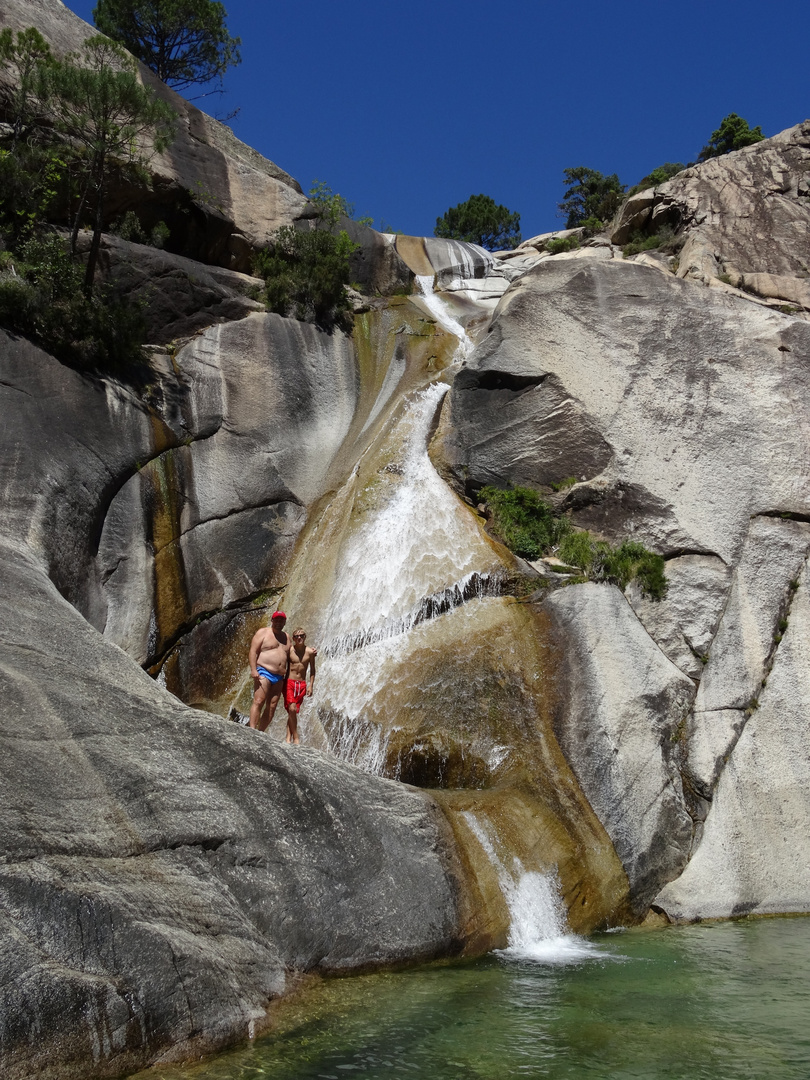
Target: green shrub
619 565
658 176
592 226
558 244
561 485
306 273
530 528
525 523
663 240
129 228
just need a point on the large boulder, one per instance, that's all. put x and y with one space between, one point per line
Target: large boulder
665 400
164 872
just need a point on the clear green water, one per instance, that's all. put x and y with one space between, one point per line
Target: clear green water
722 1001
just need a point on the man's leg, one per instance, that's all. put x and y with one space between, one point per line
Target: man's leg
265 700
273 695
258 704
292 724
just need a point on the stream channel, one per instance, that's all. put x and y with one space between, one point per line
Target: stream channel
713 1001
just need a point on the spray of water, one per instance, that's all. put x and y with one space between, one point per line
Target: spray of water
539 927
440 312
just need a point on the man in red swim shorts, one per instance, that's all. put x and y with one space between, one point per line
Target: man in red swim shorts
302 657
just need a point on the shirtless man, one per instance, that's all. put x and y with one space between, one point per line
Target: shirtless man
296 689
269 656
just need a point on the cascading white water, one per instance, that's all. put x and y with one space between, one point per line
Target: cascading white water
416 555
539 928
439 310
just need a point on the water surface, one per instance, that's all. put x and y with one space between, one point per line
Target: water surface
719 1001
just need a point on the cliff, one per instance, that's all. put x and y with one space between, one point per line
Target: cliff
166 872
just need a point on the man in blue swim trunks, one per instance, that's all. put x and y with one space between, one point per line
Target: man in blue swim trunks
269 656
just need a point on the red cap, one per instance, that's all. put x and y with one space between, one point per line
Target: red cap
278 615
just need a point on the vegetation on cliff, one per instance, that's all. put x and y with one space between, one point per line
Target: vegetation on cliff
185 42
589 197
480 221
530 527
733 134
306 270
73 123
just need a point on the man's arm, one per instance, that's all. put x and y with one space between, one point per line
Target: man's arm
255 649
311 673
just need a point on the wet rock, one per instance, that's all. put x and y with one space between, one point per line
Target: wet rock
621 713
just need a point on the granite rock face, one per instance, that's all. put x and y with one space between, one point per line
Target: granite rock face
193 496
622 707
752 857
219 198
665 399
682 412
745 216
164 871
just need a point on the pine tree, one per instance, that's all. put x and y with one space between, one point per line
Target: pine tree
183 41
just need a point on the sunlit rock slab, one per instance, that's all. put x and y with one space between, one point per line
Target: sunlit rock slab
162 870
745 215
772 557
211 523
620 714
753 856
684 623
666 400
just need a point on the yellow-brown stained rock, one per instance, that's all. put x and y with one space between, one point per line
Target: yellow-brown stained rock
171 607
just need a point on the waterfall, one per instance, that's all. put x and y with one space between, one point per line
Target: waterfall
539 927
414 554
439 310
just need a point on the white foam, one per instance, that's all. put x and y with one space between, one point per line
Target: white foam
539 926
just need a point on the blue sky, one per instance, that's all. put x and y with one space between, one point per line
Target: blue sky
409 108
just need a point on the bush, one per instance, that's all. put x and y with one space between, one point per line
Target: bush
663 240
618 565
559 244
591 226
525 523
660 175
306 274
129 228
530 528
733 134
589 194
42 297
